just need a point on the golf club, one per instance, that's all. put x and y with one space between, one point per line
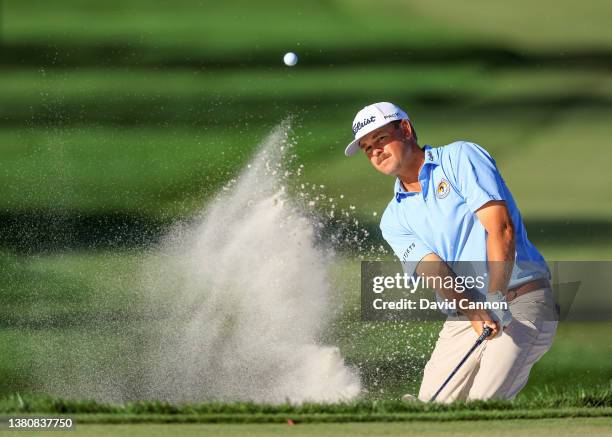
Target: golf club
485 333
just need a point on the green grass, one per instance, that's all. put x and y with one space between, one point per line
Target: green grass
213 28
100 141
88 87
156 171
547 402
207 26
160 141
121 128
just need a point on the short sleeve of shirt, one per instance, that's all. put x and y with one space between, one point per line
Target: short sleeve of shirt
406 246
478 177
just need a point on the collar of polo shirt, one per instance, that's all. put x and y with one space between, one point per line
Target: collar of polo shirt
431 157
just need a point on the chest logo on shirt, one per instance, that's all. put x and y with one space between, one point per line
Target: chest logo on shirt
443 189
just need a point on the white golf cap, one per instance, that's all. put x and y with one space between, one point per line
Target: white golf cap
371 118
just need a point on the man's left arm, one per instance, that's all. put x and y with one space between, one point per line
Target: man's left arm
495 218
484 191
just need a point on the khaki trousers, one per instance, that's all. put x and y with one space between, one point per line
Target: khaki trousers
500 367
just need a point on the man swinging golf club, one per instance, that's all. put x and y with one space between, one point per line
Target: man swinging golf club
451 204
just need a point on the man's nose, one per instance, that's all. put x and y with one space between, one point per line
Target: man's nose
377 150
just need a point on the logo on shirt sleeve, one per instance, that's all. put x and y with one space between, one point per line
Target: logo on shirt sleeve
443 189
407 251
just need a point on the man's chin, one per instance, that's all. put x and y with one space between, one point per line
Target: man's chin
385 168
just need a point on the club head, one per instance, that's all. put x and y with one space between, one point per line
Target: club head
409 398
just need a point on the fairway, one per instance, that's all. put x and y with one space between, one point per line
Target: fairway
558 427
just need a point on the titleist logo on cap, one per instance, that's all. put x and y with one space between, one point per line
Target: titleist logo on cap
360 124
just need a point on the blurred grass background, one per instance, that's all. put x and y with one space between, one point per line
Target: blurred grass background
119 118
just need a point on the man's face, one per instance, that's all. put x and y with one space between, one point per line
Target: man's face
385 148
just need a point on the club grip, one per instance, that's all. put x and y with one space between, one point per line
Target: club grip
485 333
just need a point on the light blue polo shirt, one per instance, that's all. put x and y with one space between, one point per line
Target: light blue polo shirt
456 180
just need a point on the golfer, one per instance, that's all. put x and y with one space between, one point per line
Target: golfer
451 204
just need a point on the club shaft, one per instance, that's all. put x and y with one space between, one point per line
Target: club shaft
485 333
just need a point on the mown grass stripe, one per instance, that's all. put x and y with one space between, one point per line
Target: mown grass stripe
577 402
341 418
543 405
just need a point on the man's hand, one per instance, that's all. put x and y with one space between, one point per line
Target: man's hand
481 318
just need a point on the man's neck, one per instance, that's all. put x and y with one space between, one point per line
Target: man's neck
409 176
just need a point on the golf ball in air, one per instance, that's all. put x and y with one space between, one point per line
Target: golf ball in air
290 59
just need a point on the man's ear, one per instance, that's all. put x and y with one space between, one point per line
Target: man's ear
406 128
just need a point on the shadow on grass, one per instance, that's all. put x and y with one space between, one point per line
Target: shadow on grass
127 53
194 111
47 231
577 232
27 232
568 232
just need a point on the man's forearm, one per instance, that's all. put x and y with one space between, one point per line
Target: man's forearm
496 219
500 258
